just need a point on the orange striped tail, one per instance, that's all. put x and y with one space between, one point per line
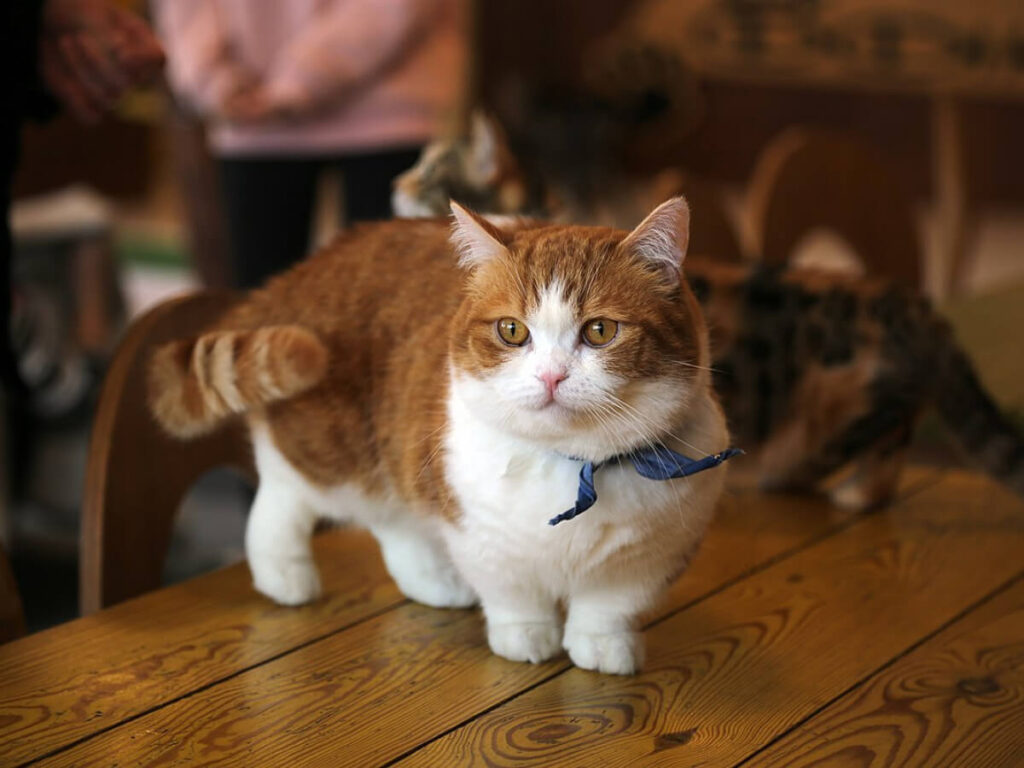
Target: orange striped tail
196 383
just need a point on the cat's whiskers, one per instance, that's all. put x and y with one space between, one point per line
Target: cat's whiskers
653 442
685 364
603 423
646 421
429 460
684 500
433 432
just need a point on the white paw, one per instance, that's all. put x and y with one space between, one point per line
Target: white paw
440 590
616 653
534 642
850 496
288 581
421 568
858 497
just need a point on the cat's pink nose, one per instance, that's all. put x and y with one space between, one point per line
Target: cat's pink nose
552 379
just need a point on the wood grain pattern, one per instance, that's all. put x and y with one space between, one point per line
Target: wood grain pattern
958 700
389 684
732 672
76 679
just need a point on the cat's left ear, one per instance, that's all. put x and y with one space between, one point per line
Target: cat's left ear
476 240
662 237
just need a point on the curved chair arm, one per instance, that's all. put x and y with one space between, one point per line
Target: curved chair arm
137 475
809 178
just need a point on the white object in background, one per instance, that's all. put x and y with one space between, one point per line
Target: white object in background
73 213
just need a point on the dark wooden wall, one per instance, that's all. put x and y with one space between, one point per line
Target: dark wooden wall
544 42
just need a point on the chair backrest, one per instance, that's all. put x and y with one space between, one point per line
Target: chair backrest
137 475
712 233
809 179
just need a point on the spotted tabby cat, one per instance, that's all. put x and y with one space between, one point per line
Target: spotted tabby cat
817 372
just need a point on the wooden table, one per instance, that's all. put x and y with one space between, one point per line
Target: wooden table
800 636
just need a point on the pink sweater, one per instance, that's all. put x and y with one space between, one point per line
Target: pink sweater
381 73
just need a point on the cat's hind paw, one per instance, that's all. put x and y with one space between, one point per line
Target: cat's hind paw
615 653
439 590
286 581
528 641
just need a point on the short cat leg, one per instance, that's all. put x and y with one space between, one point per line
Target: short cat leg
522 624
600 630
278 546
418 561
785 466
876 475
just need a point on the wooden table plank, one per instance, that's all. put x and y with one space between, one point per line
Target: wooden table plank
72 681
958 700
389 684
731 673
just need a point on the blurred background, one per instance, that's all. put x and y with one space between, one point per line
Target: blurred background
607 105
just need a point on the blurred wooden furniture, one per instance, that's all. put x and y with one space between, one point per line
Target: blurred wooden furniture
798 637
949 52
136 475
711 230
12 619
809 179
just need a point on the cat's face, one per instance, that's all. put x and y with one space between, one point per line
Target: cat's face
581 339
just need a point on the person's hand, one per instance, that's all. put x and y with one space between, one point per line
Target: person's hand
259 104
91 52
249 105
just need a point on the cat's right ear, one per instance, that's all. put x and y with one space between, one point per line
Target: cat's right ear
476 240
662 238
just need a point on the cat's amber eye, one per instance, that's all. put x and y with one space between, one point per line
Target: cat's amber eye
599 332
513 332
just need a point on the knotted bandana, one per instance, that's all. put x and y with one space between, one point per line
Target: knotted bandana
659 463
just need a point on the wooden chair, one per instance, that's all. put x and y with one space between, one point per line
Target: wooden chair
808 179
136 475
711 231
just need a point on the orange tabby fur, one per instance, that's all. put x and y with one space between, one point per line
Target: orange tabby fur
379 390
345 319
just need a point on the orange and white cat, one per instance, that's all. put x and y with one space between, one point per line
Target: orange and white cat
443 386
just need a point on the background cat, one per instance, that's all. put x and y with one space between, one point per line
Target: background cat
450 411
822 376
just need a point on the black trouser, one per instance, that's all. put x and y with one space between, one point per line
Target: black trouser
269 203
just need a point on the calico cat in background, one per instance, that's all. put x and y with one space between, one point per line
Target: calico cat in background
476 169
822 376
453 389
480 171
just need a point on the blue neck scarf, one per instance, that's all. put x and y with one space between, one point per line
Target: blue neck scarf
658 463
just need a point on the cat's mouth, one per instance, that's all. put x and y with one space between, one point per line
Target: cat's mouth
554 404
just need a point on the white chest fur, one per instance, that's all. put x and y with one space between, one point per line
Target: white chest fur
508 489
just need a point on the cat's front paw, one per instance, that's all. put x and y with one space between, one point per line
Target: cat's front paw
286 580
614 653
528 641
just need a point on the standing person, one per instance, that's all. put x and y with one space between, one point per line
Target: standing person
290 88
